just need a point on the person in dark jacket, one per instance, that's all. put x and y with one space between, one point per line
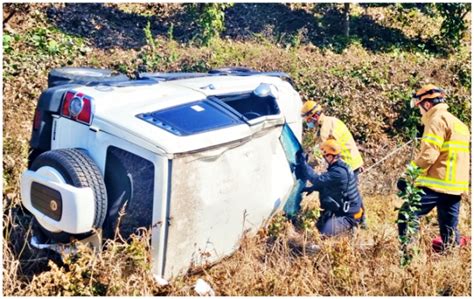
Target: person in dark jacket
338 193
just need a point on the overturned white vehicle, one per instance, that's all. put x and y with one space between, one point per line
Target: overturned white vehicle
197 158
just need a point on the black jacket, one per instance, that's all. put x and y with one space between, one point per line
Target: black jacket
337 184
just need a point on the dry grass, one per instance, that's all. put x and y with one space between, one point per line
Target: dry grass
365 264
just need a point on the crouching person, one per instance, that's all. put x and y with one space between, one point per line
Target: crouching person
338 193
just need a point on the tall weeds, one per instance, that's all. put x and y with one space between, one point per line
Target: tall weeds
369 96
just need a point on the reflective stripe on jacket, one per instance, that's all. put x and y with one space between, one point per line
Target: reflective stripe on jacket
331 126
444 153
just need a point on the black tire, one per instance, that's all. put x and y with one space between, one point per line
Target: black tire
82 75
231 70
78 170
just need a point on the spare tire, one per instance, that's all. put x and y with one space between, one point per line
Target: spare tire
79 170
82 75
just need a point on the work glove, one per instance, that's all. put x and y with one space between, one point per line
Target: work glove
301 157
402 184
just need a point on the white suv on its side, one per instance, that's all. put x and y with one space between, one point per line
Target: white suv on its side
197 158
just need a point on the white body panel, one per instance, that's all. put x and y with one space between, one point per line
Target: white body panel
218 195
70 134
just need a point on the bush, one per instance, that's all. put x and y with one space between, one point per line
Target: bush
454 26
210 19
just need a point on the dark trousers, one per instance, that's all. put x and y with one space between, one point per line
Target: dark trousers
332 225
448 214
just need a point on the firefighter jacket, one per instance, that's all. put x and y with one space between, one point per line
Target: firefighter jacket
444 153
331 126
337 188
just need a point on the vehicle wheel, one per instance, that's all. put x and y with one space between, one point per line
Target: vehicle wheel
231 70
82 75
76 168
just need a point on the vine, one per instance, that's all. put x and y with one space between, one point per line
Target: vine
411 196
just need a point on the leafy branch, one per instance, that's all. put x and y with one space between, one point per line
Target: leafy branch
411 197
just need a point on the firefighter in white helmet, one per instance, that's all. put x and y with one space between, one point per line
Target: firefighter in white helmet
444 159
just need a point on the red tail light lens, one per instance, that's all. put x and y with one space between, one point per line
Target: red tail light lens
85 115
37 120
67 103
78 107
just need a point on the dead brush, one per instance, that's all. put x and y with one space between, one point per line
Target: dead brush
119 269
365 263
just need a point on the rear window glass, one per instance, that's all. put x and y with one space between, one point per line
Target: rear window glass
192 118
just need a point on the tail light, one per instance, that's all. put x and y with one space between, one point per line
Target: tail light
37 120
78 107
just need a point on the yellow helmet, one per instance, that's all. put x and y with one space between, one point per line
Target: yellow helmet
310 108
330 147
427 92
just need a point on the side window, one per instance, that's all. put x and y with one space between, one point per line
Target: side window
250 105
130 182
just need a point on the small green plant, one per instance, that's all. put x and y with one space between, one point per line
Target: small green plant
122 68
210 19
411 197
52 42
149 37
276 226
150 56
39 39
7 43
308 219
170 32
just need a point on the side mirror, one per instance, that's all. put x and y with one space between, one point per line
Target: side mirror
265 90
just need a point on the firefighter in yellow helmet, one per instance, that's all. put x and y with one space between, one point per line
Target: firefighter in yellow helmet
338 193
444 159
332 127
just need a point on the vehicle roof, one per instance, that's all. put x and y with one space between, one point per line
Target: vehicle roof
116 108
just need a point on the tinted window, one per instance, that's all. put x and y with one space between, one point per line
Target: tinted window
251 106
192 118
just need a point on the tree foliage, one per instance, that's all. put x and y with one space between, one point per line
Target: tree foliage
454 25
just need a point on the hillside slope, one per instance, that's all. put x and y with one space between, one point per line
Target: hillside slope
366 83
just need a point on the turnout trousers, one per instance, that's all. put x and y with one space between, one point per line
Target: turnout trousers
332 225
447 206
